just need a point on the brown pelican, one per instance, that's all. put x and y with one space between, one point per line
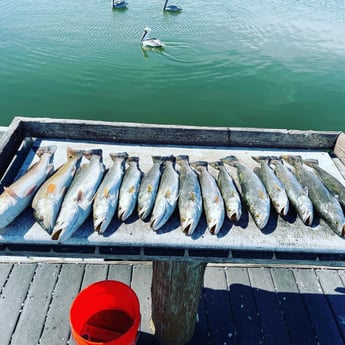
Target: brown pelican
118 4
171 8
150 42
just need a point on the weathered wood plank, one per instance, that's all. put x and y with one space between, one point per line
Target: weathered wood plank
57 329
12 297
333 288
32 317
141 284
247 323
176 290
268 306
220 323
317 306
296 317
339 148
121 272
94 273
5 270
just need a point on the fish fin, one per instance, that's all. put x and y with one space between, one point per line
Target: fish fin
10 192
192 196
106 192
63 190
30 190
216 199
131 189
150 188
51 188
257 170
167 194
306 191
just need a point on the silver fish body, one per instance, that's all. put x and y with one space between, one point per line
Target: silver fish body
253 192
273 185
190 199
77 203
297 195
325 204
16 197
213 203
129 189
48 199
231 197
149 187
167 195
107 196
333 184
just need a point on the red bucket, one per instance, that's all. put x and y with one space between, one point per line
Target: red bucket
106 312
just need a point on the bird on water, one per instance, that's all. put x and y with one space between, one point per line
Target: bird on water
150 42
171 8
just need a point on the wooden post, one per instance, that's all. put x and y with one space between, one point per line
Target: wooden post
176 288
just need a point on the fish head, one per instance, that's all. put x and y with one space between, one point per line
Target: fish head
305 209
45 214
100 223
261 219
281 204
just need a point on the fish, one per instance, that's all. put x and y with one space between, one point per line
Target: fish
167 195
212 200
327 206
149 187
48 199
77 203
190 199
107 195
231 197
298 195
18 196
332 183
274 187
129 189
253 192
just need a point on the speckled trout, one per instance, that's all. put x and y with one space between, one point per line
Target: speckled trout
16 197
273 185
167 195
325 204
149 187
332 183
297 195
231 197
253 192
77 203
212 200
107 196
129 189
190 199
48 199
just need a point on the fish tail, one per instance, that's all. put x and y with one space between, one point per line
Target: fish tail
170 158
311 162
157 159
46 149
216 164
72 153
115 156
295 161
133 159
182 158
89 153
230 160
260 159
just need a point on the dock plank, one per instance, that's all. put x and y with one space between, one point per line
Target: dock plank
269 310
32 317
319 311
57 328
4 273
12 298
248 328
333 288
296 317
220 320
121 272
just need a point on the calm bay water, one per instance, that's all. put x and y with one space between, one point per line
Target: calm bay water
267 63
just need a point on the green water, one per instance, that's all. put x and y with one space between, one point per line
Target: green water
267 63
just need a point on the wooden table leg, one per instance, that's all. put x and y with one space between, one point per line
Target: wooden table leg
176 288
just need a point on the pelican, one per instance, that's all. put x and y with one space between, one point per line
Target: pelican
171 8
118 4
150 42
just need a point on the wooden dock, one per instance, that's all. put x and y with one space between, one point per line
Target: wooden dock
246 305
